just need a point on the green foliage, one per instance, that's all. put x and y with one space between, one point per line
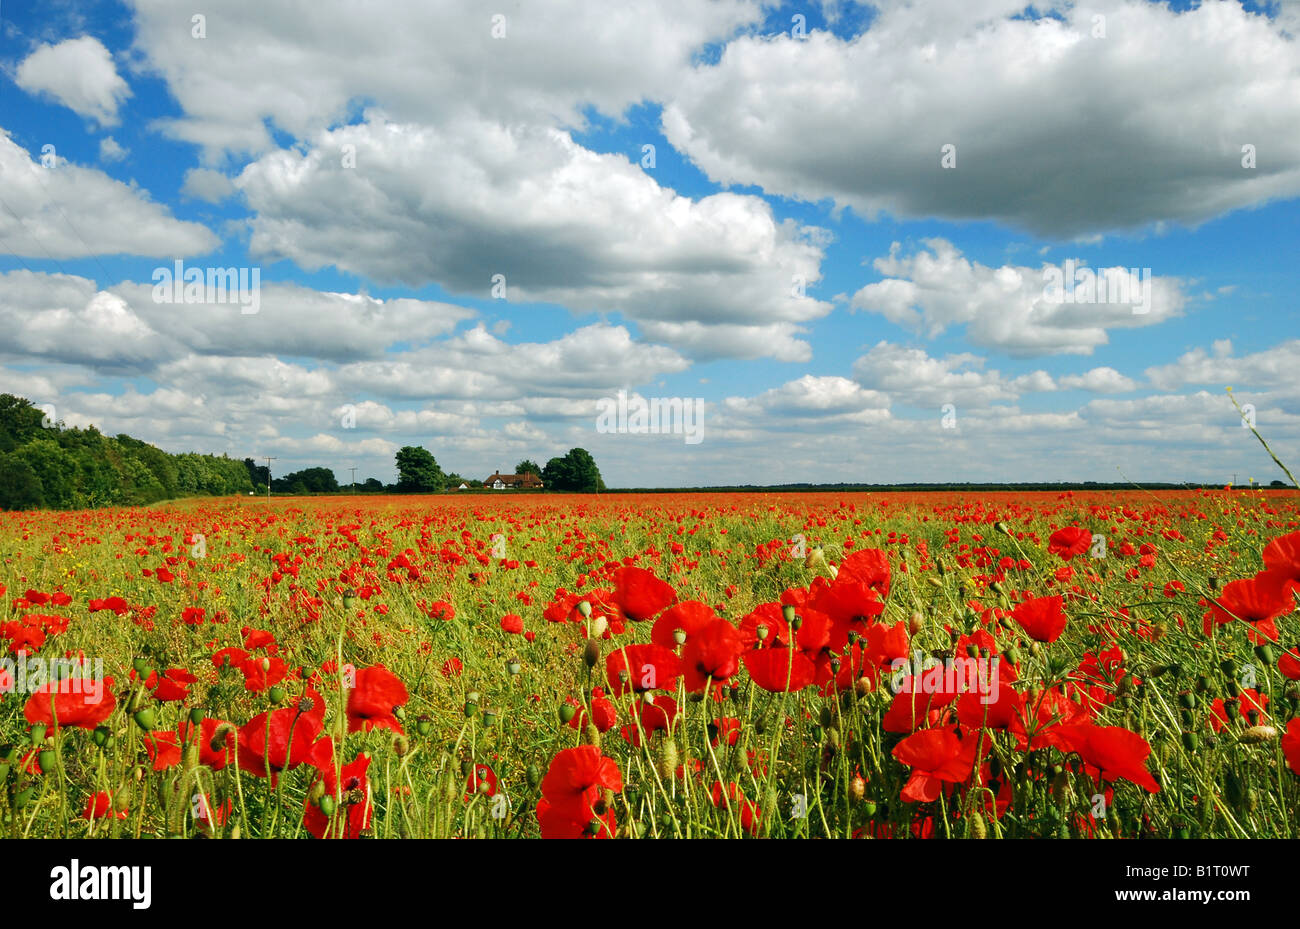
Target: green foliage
62 468
528 466
417 471
307 481
576 471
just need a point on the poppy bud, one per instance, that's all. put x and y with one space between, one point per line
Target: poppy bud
327 805
915 622
401 745
977 827
591 735
598 627
101 736
667 760
567 712
196 716
141 666
1189 741
585 609
1252 736
1264 653
122 799
23 797
857 788
145 718
48 759
533 775
38 733
591 654
276 695
863 686
934 581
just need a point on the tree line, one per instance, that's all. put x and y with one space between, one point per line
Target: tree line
46 465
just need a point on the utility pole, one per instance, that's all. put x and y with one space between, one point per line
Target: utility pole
354 479
269 459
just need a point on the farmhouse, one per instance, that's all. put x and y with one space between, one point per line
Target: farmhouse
525 481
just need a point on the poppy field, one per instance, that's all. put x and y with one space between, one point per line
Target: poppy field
929 665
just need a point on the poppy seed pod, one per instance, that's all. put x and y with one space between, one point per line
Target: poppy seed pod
567 712
584 608
145 718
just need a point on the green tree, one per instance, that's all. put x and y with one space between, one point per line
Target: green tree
528 466
20 486
20 422
576 471
417 471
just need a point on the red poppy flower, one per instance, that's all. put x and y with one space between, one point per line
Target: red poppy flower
482 779
869 567
271 742
371 702
1289 664
935 756
100 805
1113 750
1291 745
512 623
564 822
604 715
640 668
1263 597
764 627
352 798
780 669
1248 701
688 618
1068 542
576 778
736 801
1282 556
713 653
80 702
975 710
1042 618
639 594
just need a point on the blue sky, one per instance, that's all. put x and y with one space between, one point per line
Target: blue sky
1109 135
